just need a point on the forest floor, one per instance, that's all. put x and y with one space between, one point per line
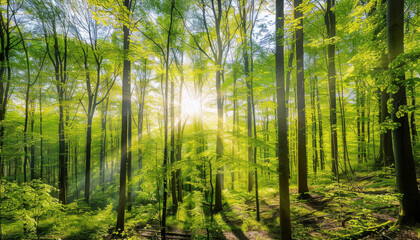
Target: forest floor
363 207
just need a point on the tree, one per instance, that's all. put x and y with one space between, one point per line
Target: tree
91 47
220 13
28 108
165 151
8 42
282 146
245 56
218 55
386 154
330 24
126 95
403 152
53 18
300 91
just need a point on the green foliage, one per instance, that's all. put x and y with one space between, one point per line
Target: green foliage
28 204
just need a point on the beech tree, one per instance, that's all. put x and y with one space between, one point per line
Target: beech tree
403 152
126 94
283 149
220 140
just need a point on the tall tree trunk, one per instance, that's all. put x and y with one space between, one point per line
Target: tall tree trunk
234 127
219 135
76 146
140 114
124 124
41 137
129 156
282 146
5 74
165 151
403 152
180 134
320 135
300 92
363 124
248 96
330 23
314 127
88 154
102 157
172 151
62 150
32 140
25 134
257 201
346 159
358 120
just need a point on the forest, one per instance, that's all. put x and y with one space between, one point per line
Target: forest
209 119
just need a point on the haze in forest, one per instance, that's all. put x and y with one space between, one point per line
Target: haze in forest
209 119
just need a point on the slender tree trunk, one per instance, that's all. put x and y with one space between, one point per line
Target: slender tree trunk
76 146
282 146
300 92
330 23
129 159
165 151
219 135
234 140
88 155
180 137
62 150
25 135
32 140
124 125
5 70
346 159
363 124
257 201
172 151
320 135
41 137
358 120
314 128
248 96
140 114
102 157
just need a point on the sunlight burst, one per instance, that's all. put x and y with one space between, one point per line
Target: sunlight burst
191 106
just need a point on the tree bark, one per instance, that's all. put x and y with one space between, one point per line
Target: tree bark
165 151
320 135
124 124
41 136
32 141
219 135
330 23
403 152
314 127
172 151
88 155
282 146
300 92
